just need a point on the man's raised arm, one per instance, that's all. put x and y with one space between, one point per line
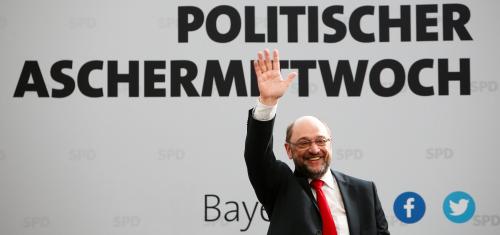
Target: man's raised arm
264 171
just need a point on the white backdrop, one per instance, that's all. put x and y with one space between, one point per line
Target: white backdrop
138 165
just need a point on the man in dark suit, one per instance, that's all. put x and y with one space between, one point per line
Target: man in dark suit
313 199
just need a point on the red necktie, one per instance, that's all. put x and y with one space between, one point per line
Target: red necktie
324 210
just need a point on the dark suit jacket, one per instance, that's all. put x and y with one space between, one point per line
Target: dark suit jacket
287 196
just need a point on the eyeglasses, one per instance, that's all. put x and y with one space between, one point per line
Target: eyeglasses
305 144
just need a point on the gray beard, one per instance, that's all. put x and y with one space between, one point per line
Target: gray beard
302 169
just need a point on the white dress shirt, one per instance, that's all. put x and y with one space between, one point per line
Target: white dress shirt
330 188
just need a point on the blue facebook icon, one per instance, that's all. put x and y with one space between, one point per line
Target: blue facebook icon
409 207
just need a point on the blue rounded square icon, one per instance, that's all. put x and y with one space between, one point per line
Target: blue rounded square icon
409 207
459 207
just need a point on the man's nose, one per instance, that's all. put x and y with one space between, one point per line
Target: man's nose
314 149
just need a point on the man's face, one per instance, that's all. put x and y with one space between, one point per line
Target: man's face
310 147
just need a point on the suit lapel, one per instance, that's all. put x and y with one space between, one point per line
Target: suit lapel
307 188
350 206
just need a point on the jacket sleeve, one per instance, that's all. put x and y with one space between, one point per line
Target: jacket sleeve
264 171
382 226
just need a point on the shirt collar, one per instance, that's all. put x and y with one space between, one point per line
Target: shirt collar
327 178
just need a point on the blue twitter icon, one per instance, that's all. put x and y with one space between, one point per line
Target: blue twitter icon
459 207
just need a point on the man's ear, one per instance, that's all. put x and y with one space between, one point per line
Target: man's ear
288 149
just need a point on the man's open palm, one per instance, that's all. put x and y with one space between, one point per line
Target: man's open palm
271 84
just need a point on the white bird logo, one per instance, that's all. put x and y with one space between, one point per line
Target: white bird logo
458 208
